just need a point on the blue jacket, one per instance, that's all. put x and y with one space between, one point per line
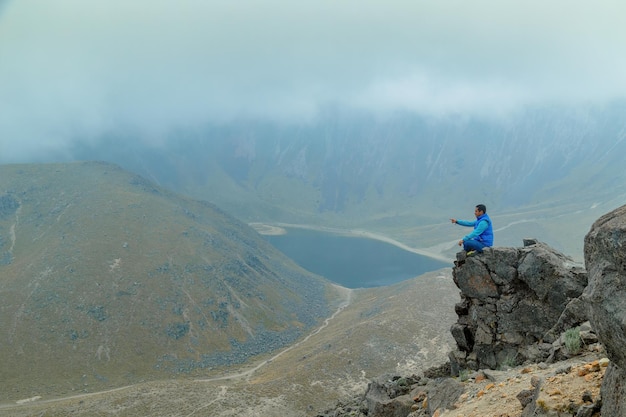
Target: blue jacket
483 229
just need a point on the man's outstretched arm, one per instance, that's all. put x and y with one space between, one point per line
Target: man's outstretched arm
482 226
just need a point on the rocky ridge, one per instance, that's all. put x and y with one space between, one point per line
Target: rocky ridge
537 335
605 297
515 303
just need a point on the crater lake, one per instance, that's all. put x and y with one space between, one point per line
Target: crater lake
352 261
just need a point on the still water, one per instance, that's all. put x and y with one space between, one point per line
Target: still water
352 262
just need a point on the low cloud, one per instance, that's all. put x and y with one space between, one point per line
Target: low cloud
73 70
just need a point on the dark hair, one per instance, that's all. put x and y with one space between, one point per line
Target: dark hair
481 207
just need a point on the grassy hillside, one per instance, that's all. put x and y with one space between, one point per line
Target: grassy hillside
108 279
402 329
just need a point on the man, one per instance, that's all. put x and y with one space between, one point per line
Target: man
482 236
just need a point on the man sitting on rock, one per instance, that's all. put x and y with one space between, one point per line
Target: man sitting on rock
481 236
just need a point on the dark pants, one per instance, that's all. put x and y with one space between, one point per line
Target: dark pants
469 245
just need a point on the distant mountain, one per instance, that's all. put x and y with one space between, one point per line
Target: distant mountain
544 167
107 279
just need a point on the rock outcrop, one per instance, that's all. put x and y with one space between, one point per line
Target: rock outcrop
605 297
515 302
518 306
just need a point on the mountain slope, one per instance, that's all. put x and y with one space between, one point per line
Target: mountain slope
545 167
106 278
399 328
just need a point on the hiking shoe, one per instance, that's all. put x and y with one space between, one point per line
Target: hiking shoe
470 253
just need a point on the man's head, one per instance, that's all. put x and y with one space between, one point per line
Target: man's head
480 210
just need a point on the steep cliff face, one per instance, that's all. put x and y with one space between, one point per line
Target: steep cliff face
515 303
605 259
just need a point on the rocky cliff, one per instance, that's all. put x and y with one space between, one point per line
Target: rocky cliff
525 344
605 297
515 303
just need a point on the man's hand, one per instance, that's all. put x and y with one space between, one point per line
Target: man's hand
460 242
453 220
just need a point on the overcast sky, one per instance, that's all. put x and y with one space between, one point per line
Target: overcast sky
79 68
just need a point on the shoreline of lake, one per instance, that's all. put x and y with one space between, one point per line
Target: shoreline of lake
277 229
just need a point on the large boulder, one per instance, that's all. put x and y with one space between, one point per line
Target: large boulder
513 300
388 397
605 296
